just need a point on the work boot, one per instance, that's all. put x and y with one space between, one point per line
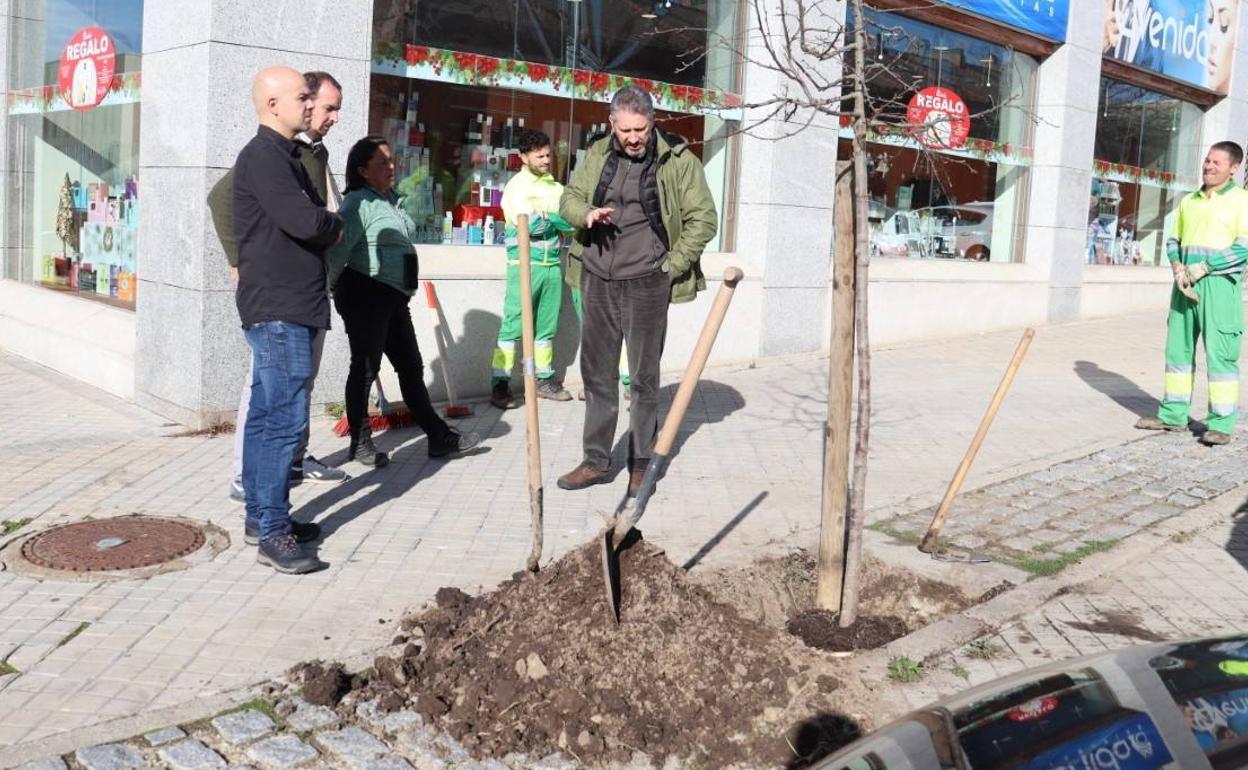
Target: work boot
453 443
501 396
1215 438
1155 423
304 533
635 477
283 554
552 390
364 451
582 476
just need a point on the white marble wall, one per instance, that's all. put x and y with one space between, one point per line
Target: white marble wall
199 58
784 218
1061 175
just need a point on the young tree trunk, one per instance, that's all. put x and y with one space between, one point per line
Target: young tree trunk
862 248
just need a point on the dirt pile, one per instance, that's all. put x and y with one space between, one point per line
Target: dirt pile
536 666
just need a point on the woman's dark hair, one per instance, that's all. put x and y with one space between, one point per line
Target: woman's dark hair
361 153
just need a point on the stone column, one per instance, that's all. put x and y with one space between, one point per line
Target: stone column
199 57
1061 175
21 66
784 215
8 254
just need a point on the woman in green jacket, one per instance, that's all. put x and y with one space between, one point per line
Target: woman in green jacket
374 272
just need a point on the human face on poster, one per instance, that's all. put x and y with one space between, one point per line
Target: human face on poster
1221 20
1192 41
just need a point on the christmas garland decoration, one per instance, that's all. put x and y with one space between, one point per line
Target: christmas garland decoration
1122 172
126 88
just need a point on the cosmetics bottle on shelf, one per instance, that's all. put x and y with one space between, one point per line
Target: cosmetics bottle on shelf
448 228
487 233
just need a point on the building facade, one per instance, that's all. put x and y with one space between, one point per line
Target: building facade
1062 135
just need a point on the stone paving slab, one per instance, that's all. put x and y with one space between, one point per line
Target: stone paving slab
109 757
190 755
165 735
243 726
282 752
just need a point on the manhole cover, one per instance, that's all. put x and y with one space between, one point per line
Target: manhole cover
127 542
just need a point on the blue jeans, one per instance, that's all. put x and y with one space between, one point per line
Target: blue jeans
277 415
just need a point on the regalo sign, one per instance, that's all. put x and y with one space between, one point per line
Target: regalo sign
939 118
88 64
1188 40
1046 18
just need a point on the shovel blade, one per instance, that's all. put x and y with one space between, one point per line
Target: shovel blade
610 573
960 556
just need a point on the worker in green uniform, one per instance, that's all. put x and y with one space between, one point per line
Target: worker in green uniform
1208 251
535 192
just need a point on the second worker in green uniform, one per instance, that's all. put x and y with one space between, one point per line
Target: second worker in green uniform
1207 250
532 191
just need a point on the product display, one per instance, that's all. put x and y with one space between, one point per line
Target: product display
98 228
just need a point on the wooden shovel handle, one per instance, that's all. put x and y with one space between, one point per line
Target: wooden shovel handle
532 431
701 352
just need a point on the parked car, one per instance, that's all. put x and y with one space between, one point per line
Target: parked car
1149 707
962 231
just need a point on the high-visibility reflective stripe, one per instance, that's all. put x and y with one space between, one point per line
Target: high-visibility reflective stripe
504 358
1179 383
544 353
1223 395
1178 368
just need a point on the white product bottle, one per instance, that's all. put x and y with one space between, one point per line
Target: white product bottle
487 236
448 228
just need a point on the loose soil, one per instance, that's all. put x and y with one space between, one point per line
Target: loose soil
1120 624
537 666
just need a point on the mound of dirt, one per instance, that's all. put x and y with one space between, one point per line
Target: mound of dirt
537 666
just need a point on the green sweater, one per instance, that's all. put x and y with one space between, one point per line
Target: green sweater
376 239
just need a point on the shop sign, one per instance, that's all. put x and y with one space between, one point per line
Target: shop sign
939 118
88 64
1218 719
1046 18
1130 744
1192 41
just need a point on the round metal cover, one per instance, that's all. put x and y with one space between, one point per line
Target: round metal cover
104 545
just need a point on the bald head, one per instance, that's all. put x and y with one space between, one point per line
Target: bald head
282 100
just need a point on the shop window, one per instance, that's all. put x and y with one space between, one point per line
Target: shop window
954 190
1145 160
1207 682
73 126
454 83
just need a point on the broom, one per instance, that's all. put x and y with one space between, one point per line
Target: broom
386 416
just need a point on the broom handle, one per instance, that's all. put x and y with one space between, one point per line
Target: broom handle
528 366
431 299
942 513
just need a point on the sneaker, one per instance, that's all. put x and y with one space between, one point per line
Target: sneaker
364 451
296 476
318 472
304 533
283 554
1155 423
501 396
1215 438
237 495
454 443
582 476
552 390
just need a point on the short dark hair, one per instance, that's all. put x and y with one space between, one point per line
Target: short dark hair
361 153
315 78
1232 149
530 140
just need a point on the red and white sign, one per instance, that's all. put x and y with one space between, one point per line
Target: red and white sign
940 118
1033 709
87 66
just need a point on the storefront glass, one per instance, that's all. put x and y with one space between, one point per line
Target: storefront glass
454 82
73 123
1147 159
953 190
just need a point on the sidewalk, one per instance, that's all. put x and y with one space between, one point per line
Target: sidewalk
745 483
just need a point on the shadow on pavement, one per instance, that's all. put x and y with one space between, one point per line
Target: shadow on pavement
1237 544
727 529
1120 390
819 736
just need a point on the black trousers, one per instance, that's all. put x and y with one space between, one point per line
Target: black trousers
378 322
617 311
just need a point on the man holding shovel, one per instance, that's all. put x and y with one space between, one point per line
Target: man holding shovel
643 213
1207 251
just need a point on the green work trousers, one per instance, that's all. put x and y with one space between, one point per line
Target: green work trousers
547 302
1219 319
625 380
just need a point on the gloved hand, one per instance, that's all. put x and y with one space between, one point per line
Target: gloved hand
1196 272
1182 282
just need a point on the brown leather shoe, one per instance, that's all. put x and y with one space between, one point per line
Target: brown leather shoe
634 481
582 476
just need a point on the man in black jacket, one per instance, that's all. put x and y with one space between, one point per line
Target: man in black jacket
326 104
282 230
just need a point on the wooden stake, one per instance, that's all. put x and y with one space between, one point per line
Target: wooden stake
831 566
928 544
529 367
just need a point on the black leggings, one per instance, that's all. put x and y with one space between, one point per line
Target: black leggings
378 321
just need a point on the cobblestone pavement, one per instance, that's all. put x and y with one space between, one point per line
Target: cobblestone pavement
745 482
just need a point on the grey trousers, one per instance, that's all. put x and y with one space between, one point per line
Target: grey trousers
244 402
632 311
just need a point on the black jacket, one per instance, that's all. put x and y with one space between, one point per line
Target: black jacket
282 230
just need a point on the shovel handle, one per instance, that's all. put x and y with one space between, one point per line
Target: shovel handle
528 366
630 514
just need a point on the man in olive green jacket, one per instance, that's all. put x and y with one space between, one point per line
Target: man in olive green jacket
643 213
